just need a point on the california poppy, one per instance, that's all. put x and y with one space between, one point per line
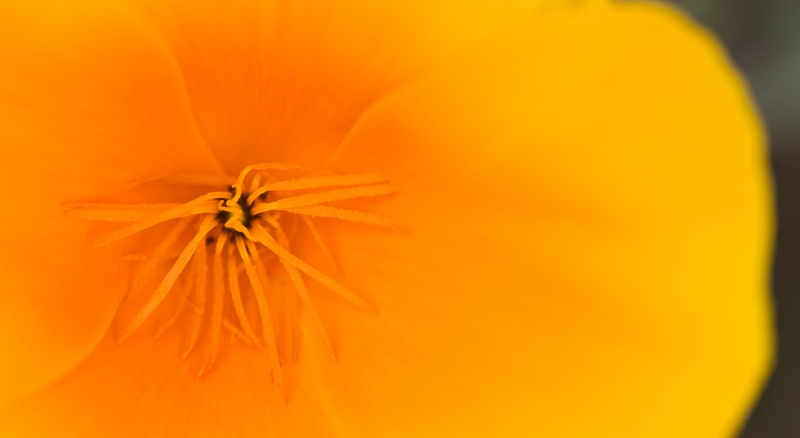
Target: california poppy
544 218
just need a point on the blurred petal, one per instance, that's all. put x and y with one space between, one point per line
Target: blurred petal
285 80
142 388
89 100
590 246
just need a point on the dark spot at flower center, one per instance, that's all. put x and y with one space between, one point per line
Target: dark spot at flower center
247 215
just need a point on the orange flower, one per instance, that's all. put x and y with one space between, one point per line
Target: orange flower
499 218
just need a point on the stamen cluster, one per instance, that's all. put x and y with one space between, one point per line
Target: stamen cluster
231 228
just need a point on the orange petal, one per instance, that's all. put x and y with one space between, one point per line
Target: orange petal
142 388
591 216
590 227
89 100
286 80
116 212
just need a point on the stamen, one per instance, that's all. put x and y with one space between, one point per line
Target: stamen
270 176
208 224
280 234
159 254
255 183
210 208
350 215
236 297
235 332
129 213
217 305
242 224
300 287
237 194
316 182
200 287
187 179
266 318
330 196
183 300
172 213
258 262
116 212
276 166
320 243
263 237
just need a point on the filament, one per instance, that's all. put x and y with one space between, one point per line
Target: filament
300 287
116 212
172 213
350 215
160 252
276 166
183 300
185 179
200 289
267 240
166 284
217 306
255 183
236 297
266 319
316 182
320 243
330 196
235 332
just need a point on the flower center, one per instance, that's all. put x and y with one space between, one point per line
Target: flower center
238 213
234 232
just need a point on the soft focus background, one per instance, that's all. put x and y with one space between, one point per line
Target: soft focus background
763 37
